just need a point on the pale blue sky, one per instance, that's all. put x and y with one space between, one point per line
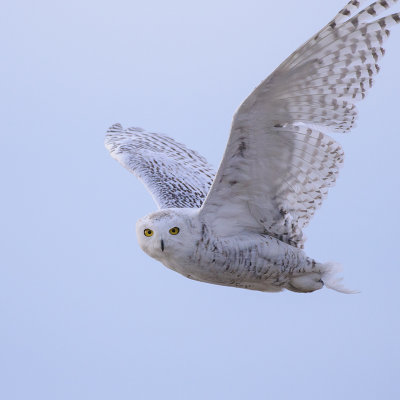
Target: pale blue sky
84 313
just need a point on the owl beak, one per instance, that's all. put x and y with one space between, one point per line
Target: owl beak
162 245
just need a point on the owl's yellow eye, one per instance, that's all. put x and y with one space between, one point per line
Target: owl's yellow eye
148 232
174 230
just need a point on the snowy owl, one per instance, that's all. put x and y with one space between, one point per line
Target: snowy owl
242 226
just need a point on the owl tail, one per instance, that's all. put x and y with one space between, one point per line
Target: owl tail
331 279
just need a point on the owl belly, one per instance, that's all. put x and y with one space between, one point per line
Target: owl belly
257 262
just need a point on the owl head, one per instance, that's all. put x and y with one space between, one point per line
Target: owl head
167 233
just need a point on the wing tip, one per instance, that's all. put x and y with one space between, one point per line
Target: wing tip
115 128
109 138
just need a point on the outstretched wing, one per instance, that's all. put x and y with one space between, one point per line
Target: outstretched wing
278 165
176 176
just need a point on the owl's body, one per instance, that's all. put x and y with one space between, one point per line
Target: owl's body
247 260
242 225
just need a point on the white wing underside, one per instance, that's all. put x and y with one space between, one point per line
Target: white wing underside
176 176
278 164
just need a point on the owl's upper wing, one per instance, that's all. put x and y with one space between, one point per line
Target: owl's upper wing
176 176
278 165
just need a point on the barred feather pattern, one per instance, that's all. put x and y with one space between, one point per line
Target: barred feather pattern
313 167
323 79
176 176
279 162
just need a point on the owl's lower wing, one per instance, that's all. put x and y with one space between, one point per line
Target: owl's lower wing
176 176
278 164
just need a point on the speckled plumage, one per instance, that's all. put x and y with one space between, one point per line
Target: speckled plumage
243 226
175 175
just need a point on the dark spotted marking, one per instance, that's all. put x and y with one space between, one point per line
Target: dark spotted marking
382 23
354 21
242 148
